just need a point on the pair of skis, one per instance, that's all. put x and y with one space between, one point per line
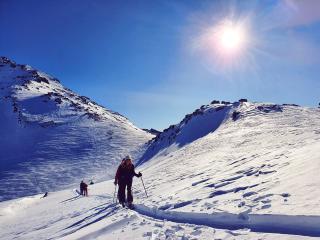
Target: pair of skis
124 205
128 206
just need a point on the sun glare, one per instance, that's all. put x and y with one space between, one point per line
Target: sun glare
226 44
231 38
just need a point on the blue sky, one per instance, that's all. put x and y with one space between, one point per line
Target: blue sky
150 60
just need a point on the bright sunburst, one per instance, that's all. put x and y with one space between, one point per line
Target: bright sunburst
231 37
226 43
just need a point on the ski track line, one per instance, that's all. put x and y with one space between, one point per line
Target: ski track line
112 227
267 223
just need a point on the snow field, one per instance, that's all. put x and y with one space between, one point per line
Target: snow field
65 215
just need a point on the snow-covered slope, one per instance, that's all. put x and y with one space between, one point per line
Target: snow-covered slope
66 215
262 158
201 122
233 171
51 138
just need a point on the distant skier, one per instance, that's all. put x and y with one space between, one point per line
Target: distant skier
45 195
83 188
124 178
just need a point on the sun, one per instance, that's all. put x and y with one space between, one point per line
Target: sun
227 40
227 44
231 37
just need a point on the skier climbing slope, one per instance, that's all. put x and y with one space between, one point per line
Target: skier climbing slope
123 178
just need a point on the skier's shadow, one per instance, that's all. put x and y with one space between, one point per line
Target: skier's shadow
71 199
110 209
99 207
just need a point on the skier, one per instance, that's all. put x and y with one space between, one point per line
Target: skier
45 195
83 188
124 178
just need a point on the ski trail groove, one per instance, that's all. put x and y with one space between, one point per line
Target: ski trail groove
267 223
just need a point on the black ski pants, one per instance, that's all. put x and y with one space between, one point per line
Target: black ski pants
122 191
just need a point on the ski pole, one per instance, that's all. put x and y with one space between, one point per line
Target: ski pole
115 191
144 187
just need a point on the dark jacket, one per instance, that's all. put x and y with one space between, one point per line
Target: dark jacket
83 185
125 173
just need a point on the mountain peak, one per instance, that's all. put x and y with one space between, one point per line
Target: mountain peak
28 88
56 130
208 119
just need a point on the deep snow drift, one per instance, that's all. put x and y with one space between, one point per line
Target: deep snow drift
228 171
51 137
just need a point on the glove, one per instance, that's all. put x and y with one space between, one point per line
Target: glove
140 174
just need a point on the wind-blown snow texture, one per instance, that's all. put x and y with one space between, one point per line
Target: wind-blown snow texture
265 158
51 137
228 171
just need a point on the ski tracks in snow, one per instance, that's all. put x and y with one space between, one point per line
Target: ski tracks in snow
265 223
301 225
260 223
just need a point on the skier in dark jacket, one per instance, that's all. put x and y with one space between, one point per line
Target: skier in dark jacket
123 178
83 188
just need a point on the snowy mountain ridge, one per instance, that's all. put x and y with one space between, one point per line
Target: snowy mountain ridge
26 82
237 170
57 133
258 158
203 121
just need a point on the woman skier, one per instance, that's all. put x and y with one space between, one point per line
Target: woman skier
124 178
